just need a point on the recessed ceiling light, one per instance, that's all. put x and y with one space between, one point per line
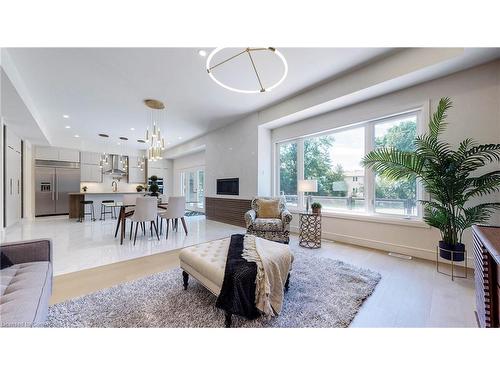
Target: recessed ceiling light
141 141
179 137
68 127
124 138
65 116
202 52
103 135
132 129
77 136
118 143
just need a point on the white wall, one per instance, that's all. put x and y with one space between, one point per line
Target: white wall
475 113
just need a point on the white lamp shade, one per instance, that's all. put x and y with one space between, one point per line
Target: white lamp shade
308 186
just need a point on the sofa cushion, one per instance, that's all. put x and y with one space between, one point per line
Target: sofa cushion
268 225
268 208
25 292
5 261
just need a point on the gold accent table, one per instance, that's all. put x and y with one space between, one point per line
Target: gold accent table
310 230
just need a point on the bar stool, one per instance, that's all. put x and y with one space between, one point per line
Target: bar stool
83 204
111 210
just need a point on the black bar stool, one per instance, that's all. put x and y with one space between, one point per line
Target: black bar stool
104 211
83 204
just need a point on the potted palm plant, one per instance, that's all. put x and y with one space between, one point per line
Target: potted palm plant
451 177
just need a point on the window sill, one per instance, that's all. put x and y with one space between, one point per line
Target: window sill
377 218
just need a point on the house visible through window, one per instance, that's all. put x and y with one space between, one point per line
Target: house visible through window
334 160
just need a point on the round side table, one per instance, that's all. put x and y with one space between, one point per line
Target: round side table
310 230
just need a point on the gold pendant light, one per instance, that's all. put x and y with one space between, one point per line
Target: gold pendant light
154 139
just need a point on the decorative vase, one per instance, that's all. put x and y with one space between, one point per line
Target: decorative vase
445 251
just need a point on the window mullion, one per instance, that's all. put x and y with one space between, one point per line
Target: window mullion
300 171
369 175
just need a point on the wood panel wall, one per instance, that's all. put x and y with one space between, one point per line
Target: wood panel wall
227 210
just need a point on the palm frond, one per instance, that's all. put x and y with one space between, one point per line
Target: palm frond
436 123
479 214
488 183
393 163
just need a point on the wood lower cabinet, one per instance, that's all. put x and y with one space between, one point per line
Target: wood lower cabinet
487 274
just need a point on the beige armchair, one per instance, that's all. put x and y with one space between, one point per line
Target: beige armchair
269 219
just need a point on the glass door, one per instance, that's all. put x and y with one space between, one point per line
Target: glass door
193 188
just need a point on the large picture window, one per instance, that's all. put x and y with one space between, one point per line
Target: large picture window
334 160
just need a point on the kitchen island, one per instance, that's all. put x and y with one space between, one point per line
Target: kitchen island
75 198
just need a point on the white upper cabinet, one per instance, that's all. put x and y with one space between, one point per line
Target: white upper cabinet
69 155
135 175
46 153
90 173
56 153
92 158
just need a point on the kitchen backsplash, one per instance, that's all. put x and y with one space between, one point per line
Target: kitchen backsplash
105 185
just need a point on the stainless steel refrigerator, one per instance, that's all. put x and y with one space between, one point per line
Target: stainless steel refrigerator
54 180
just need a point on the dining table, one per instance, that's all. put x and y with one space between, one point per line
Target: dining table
122 216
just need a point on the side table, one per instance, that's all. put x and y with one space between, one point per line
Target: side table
310 230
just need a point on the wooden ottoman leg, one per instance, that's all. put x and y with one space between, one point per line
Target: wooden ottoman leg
185 277
228 320
287 284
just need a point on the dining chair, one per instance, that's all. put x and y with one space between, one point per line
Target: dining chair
175 210
146 210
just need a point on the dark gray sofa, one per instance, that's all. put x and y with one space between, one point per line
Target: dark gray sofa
26 286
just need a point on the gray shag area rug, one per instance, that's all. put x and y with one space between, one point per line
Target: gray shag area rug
323 293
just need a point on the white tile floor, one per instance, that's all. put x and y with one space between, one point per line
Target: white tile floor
79 246
410 294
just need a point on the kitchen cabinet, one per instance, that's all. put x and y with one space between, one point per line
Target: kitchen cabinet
12 178
158 168
56 153
90 173
46 153
136 176
92 158
66 154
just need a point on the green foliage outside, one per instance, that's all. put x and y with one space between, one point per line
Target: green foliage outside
400 137
317 165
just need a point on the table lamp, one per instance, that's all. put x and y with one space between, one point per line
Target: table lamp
308 186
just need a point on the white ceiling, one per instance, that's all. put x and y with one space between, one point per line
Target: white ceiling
102 89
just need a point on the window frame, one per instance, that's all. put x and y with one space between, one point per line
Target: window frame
369 176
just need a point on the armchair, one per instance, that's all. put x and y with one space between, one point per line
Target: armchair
269 218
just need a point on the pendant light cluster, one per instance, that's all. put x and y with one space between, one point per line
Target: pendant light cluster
154 139
105 158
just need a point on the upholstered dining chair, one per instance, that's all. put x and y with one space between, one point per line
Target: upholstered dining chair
269 218
146 210
175 210
129 199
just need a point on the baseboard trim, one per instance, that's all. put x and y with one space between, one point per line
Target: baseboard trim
422 253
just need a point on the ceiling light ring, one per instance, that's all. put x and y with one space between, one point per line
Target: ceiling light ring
248 50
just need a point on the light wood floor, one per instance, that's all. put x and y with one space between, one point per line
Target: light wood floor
410 294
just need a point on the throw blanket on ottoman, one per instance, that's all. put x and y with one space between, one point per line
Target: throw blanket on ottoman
255 276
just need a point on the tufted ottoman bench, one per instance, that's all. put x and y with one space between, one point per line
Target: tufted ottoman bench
206 263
